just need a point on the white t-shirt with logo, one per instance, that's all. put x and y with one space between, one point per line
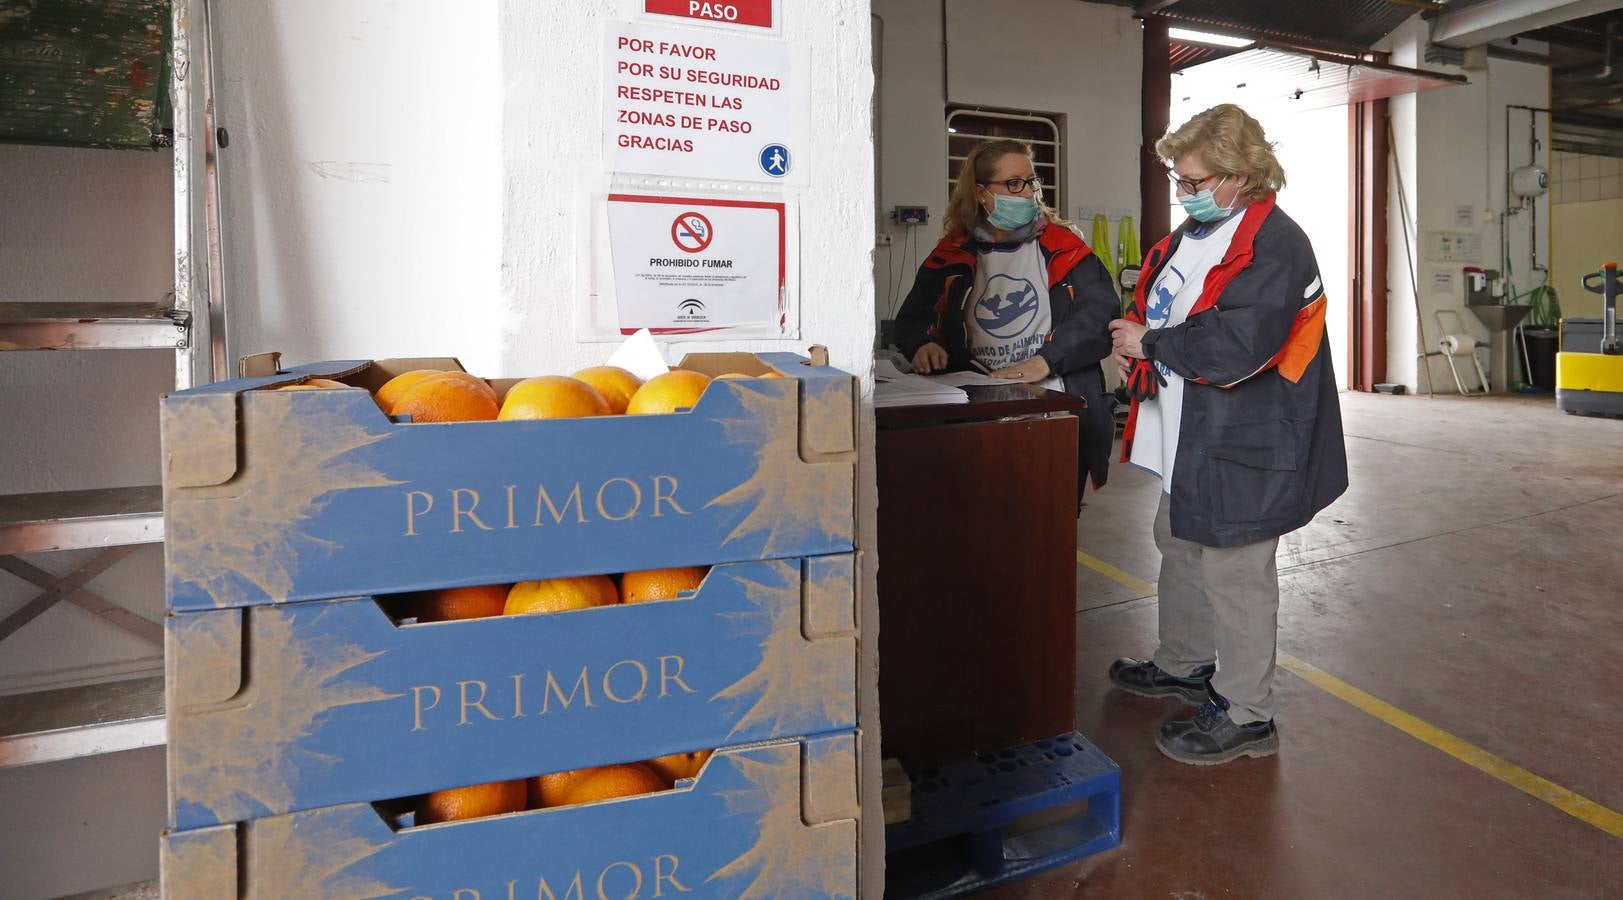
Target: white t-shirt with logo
1177 286
1007 311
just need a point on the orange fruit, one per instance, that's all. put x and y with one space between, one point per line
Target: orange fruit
471 802
560 594
388 395
660 584
677 766
733 376
674 390
549 790
773 375
475 380
447 397
463 603
615 384
610 782
313 384
552 397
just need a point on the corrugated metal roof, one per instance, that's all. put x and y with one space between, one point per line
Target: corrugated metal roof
1271 77
1185 55
1330 23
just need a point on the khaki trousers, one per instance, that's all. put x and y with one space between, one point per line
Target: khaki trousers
1220 605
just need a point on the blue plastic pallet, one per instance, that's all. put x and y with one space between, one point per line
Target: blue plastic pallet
960 839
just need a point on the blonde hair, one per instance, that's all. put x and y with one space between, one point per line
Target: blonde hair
1229 142
963 210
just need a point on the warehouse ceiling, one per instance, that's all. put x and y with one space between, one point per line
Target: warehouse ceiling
1586 89
1586 70
1348 25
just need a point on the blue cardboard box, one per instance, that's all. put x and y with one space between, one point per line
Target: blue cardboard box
306 705
282 496
771 821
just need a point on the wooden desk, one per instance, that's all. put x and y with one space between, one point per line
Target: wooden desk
977 572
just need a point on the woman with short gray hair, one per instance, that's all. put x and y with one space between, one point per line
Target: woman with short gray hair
1234 408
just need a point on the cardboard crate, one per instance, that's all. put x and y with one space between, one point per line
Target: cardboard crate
277 709
770 821
281 496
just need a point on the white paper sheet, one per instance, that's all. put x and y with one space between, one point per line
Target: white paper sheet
893 387
964 379
640 356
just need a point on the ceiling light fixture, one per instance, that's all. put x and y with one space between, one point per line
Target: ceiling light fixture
1190 36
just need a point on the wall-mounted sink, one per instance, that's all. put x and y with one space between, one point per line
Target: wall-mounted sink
1499 317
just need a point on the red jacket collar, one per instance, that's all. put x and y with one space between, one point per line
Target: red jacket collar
1060 244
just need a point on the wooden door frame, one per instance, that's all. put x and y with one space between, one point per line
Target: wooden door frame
1367 244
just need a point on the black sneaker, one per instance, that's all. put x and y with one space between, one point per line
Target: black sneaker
1211 737
1145 678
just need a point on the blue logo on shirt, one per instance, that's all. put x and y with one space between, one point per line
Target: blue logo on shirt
1166 288
1160 311
1009 307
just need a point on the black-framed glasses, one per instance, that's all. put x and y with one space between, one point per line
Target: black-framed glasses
1187 185
1016 185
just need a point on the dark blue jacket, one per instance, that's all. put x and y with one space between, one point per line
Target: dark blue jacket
1260 447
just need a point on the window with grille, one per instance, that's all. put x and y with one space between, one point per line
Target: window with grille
969 126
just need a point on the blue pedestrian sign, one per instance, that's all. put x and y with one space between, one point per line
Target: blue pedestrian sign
775 160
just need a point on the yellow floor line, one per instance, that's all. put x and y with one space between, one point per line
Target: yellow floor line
1114 574
1573 804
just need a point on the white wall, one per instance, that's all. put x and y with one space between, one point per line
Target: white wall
1080 61
1585 178
1452 152
362 187
403 182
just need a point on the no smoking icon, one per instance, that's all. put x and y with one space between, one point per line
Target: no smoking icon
691 232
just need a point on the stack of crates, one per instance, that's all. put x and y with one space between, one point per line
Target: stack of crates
305 718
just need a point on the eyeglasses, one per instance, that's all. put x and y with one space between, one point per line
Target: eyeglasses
1016 185
1187 185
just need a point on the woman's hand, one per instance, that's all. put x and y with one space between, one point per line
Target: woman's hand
1124 366
930 358
1032 370
1127 339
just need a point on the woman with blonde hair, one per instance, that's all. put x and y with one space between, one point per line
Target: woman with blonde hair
1235 410
1013 291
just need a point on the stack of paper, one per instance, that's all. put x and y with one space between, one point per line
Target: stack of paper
893 387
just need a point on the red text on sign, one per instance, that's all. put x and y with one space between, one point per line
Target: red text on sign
667 48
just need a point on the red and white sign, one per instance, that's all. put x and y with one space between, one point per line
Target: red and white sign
691 232
693 103
754 13
690 267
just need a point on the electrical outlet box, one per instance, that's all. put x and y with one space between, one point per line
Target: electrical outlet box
911 215
882 240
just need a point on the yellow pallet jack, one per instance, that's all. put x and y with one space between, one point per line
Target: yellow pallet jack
1592 383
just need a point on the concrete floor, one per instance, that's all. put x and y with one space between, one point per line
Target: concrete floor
1471 577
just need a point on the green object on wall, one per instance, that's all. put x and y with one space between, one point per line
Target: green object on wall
85 73
1102 247
1127 240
